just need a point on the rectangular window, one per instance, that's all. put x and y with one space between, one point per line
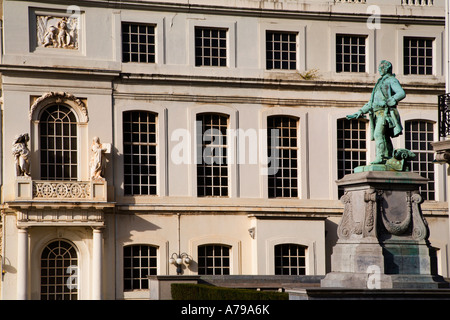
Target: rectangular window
281 50
418 137
290 259
417 56
214 260
210 47
350 53
139 153
138 43
351 146
139 261
283 154
212 165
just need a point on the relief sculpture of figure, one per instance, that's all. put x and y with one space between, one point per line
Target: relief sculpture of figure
22 155
98 160
383 114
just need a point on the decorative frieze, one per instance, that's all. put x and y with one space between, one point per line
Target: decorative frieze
57 31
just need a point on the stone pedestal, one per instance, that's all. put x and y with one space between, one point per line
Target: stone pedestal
383 234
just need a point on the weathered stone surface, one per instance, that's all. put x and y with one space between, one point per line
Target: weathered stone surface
383 236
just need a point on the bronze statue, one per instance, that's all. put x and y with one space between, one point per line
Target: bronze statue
383 114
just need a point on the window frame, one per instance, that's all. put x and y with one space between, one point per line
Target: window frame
282 148
148 144
200 162
438 65
77 272
371 63
351 36
214 259
296 27
230 26
429 153
132 268
154 44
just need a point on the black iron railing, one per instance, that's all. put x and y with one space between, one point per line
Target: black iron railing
444 115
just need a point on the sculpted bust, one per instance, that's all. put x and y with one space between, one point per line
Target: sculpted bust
383 114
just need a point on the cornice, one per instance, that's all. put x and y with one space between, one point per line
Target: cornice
325 15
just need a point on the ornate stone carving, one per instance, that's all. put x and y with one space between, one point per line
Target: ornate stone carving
59 97
57 32
370 217
420 229
61 190
98 160
22 155
397 227
347 227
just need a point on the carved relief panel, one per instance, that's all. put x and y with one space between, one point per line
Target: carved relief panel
57 31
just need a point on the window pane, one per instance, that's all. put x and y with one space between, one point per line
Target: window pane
138 43
57 127
139 144
139 261
282 156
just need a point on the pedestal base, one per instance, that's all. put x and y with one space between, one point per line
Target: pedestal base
382 235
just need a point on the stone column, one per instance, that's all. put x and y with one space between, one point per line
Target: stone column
97 266
22 264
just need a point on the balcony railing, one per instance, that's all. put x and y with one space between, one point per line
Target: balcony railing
444 115
60 191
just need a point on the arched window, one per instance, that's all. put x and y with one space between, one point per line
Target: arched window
351 146
418 135
58 143
214 259
212 165
290 259
59 271
282 136
139 261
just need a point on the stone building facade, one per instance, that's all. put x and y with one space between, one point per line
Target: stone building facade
208 131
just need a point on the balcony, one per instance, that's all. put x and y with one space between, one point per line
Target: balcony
60 191
59 203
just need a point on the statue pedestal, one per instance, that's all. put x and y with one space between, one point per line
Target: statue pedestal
383 234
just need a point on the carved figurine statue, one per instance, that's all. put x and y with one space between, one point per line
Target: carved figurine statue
22 155
383 114
64 38
98 160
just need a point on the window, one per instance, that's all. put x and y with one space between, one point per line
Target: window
138 43
418 137
210 47
214 259
139 261
350 53
290 259
351 146
212 167
281 50
58 143
139 145
59 271
283 149
417 56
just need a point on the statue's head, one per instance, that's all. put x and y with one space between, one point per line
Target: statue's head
385 67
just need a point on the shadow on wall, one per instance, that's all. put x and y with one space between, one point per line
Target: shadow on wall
330 241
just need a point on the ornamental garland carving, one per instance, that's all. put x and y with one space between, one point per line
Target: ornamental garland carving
59 97
57 32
